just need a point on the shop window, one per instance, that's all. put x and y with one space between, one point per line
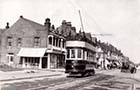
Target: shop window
9 41
36 41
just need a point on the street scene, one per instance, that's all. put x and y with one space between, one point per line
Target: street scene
69 45
58 80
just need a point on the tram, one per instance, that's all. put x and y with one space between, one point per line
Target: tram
81 58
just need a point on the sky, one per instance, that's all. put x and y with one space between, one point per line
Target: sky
118 20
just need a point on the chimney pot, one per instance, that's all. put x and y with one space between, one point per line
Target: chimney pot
7 25
47 19
21 16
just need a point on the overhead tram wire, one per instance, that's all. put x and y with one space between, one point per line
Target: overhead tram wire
78 6
74 5
100 30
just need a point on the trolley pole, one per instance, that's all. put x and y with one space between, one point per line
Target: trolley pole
82 26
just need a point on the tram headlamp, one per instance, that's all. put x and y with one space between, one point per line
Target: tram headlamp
74 61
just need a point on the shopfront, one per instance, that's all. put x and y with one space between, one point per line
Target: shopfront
33 58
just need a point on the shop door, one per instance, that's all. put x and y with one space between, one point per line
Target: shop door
44 62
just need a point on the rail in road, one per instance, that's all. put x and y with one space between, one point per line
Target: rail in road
101 81
97 82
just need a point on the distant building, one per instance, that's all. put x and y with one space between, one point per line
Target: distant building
66 29
27 44
108 54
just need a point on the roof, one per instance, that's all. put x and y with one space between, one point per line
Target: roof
88 35
2 30
33 24
25 25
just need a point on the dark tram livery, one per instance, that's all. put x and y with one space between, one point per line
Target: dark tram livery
81 58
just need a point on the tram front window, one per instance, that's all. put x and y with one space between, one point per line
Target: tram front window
79 53
68 53
72 53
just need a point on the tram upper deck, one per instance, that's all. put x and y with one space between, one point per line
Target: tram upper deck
80 50
81 44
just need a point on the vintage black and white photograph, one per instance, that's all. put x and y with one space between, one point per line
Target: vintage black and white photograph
69 44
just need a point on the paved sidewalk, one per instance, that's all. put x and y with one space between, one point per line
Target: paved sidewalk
28 74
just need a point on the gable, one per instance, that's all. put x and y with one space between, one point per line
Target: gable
24 27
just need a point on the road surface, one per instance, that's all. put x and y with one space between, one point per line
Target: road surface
103 80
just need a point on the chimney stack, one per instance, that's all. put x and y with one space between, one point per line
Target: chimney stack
7 25
47 23
69 24
53 27
64 22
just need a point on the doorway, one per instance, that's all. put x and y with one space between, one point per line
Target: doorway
44 62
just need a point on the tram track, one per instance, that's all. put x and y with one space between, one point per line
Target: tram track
90 82
32 85
97 82
51 83
66 83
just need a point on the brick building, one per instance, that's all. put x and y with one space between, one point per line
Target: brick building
26 44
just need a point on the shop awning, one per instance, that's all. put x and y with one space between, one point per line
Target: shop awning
32 52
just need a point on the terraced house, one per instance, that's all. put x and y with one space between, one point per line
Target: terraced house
28 44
